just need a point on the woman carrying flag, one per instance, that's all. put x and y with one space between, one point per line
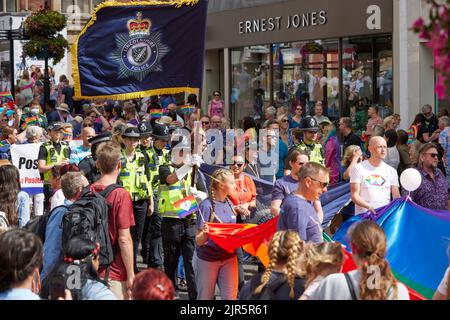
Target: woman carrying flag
178 206
214 265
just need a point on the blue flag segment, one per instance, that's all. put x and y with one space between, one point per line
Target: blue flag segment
418 240
135 49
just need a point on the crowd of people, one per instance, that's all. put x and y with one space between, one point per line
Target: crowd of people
146 168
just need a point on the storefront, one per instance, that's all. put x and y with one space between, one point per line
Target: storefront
300 52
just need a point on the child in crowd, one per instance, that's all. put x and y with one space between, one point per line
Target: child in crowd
319 261
280 281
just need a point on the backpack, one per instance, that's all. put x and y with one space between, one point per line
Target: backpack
38 224
269 290
88 218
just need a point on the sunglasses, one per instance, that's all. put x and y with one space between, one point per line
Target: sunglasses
322 184
205 122
285 120
240 164
433 155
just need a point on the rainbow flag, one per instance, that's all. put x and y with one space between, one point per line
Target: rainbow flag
156 113
7 95
186 109
186 206
417 239
30 121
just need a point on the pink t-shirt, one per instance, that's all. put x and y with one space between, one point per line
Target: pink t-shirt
216 108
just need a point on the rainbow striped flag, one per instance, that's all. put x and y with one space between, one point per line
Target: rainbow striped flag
30 121
156 113
186 109
7 95
186 206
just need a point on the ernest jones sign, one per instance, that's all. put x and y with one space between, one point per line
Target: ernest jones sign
298 20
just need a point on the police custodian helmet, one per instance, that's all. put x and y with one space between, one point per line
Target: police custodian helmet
308 123
160 132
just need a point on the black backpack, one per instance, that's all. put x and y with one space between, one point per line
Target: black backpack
88 218
269 290
38 224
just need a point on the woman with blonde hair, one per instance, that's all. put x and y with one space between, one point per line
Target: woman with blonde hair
281 280
285 133
368 244
319 261
212 264
352 156
389 123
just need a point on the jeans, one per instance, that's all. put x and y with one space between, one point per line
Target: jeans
179 238
140 212
180 272
222 272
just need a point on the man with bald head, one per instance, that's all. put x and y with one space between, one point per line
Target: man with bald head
373 182
79 153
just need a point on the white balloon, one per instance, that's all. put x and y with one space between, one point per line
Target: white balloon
410 179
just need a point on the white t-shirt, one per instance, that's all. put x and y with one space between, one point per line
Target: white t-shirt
375 182
443 286
57 199
335 287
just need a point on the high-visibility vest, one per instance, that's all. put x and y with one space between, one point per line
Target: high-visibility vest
53 157
134 179
169 194
315 152
154 162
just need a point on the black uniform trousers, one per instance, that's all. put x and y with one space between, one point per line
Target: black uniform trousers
179 237
140 208
152 246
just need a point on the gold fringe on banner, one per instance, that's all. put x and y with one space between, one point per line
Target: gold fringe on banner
132 95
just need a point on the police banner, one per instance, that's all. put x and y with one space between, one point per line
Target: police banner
136 49
25 158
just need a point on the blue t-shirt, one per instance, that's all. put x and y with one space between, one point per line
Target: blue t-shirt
18 294
210 251
283 187
299 215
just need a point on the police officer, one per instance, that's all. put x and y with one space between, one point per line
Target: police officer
88 166
157 155
53 153
309 142
178 233
134 179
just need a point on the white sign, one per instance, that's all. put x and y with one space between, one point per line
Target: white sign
374 20
25 158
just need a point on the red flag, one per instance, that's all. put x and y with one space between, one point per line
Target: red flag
254 238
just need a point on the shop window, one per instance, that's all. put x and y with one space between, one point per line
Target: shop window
7 6
250 82
305 73
84 6
367 78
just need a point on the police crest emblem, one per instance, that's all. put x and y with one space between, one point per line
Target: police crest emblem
140 51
